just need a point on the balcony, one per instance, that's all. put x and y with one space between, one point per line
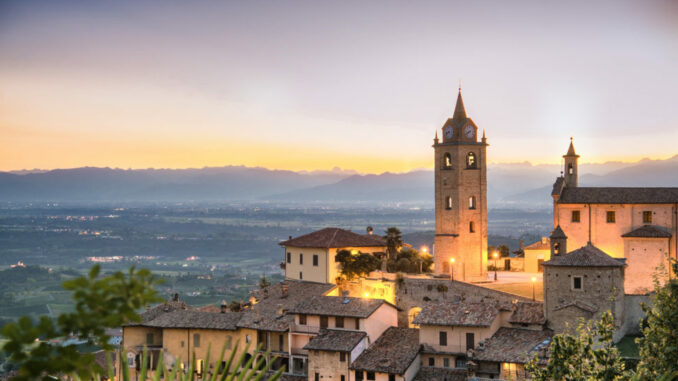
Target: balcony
306 329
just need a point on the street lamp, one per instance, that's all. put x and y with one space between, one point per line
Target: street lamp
495 255
534 280
452 269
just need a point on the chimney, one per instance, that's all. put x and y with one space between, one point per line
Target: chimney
280 310
224 307
370 230
285 290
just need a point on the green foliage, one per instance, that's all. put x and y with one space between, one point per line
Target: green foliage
235 306
394 241
503 251
659 345
354 265
263 282
587 355
101 303
411 261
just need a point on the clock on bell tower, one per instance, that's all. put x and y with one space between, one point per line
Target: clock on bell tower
460 246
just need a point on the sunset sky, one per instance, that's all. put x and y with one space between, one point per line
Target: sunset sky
311 85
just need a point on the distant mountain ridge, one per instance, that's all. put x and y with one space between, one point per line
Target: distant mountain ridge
509 185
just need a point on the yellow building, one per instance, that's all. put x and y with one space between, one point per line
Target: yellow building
311 257
639 224
536 254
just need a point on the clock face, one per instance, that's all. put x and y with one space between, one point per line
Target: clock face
468 131
448 132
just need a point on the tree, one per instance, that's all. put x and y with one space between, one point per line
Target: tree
263 282
659 345
411 261
360 264
588 355
503 251
394 241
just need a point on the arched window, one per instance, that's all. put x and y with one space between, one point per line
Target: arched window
570 169
471 160
471 227
472 202
448 202
447 161
556 247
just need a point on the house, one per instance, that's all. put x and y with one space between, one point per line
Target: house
331 352
536 254
393 357
639 224
311 257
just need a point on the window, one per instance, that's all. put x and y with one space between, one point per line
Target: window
248 338
470 341
359 375
281 342
343 378
448 202
301 258
647 217
289 257
471 227
611 217
302 319
149 339
315 259
301 275
391 377
471 160
229 342
196 340
577 283
370 375
357 323
323 322
576 216
570 169
446 362
317 376
472 202
199 367
443 338
447 162
339 322
342 356
431 361
460 362
182 343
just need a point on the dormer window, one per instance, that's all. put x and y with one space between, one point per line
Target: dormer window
471 160
447 161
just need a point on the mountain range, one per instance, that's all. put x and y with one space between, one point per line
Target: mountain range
509 185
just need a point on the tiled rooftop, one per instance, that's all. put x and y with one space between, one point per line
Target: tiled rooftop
441 374
393 352
335 340
649 231
528 313
338 306
168 306
586 256
458 314
196 319
513 345
335 238
618 195
543 244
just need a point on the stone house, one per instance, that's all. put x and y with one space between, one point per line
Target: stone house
393 357
332 351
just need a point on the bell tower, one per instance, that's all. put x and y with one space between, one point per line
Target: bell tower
460 245
571 159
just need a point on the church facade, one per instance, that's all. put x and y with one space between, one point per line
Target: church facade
460 244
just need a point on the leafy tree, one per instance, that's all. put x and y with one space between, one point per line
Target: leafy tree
411 261
353 265
394 241
100 303
659 345
587 355
503 251
263 282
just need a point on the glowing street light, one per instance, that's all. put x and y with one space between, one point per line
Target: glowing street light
367 295
452 269
495 255
424 249
534 280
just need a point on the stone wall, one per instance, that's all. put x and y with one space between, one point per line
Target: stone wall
633 313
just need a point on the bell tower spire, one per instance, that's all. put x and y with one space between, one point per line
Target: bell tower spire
571 159
459 110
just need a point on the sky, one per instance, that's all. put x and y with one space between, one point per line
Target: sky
314 85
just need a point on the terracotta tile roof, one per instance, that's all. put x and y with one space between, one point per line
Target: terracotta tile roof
543 244
618 195
514 345
585 256
579 304
338 306
264 315
196 319
458 314
168 306
441 374
648 231
335 238
528 313
393 352
335 340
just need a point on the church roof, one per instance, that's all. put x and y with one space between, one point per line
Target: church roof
558 233
459 110
558 186
335 238
618 195
585 256
648 231
570 150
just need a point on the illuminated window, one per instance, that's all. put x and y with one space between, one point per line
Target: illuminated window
447 162
471 160
448 202
611 218
472 202
570 169
647 217
576 216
